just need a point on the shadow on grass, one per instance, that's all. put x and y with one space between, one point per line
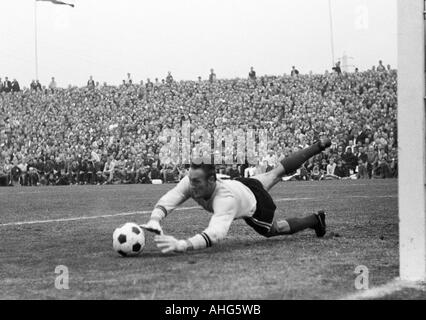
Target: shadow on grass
234 245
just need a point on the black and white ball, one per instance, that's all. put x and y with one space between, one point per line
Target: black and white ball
128 240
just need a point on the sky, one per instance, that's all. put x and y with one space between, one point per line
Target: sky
109 38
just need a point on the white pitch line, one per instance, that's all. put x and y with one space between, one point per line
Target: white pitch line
385 290
20 223
367 197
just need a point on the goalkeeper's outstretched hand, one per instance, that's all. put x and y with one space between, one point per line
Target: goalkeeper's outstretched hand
169 244
153 226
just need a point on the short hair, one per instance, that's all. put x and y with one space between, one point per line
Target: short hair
209 169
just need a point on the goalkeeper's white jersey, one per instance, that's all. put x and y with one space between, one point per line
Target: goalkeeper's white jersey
230 200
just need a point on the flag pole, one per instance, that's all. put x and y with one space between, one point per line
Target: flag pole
35 39
331 32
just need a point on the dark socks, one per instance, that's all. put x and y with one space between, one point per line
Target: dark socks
299 224
292 225
296 159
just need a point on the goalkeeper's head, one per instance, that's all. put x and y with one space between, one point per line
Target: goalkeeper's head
202 178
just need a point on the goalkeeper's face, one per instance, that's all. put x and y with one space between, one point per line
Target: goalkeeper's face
201 187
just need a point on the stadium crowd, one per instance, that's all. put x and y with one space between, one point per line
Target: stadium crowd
100 134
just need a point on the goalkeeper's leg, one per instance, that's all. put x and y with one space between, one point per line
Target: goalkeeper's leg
293 225
291 163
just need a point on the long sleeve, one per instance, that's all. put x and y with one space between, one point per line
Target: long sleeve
219 224
225 211
172 199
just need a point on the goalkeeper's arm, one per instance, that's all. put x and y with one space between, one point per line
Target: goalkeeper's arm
216 231
167 204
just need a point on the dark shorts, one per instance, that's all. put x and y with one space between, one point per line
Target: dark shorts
262 219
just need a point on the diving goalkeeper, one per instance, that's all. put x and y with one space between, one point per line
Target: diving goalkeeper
242 198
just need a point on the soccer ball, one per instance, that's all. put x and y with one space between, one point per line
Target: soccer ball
128 240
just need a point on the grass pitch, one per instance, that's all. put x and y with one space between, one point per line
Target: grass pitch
43 227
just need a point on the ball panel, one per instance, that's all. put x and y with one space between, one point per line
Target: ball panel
137 247
136 230
122 238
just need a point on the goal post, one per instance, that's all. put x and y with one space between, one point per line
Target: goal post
411 140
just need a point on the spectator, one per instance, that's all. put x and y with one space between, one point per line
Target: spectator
252 74
316 173
169 78
183 171
362 172
49 170
350 161
15 86
130 171
234 172
23 167
337 68
362 155
149 85
33 85
249 172
155 173
73 170
212 76
170 173
38 86
271 160
142 172
341 171
294 71
52 84
99 169
366 133
323 166
91 171
372 160
383 169
303 173
15 173
7 171
331 168
91 83
120 168
7 85
32 177
108 172
4 175
381 67
393 166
